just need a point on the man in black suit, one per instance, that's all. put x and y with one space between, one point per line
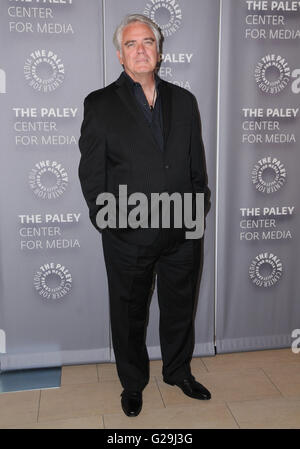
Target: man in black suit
145 133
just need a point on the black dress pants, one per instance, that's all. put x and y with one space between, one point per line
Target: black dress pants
130 270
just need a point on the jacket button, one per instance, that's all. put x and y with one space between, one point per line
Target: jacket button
167 166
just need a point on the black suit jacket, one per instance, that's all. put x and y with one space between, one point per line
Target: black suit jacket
117 147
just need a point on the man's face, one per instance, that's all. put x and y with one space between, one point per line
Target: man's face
139 51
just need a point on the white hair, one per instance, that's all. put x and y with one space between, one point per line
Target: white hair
131 18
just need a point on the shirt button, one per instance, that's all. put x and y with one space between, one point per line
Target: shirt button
167 166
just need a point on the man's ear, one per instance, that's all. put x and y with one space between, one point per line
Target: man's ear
120 57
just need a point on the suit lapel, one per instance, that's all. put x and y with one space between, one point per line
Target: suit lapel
166 103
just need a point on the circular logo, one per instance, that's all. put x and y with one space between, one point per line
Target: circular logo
265 270
166 14
44 70
268 175
52 281
272 74
48 179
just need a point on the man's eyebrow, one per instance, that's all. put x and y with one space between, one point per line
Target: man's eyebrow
145 39
129 42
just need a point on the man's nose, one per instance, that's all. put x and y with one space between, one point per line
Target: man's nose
140 48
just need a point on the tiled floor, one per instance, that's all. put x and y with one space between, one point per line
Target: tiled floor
259 389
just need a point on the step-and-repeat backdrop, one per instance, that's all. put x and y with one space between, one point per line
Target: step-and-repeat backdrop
241 60
53 286
258 174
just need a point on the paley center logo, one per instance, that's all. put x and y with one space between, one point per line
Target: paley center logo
166 14
268 175
265 270
48 179
52 280
2 82
160 210
272 74
44 70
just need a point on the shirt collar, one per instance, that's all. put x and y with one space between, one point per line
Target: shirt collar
134 83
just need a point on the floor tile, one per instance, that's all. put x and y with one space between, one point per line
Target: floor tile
77 374
198 364
224 386
250 359
85 422
71 401
216 417
155 367
17 408
275 413
286 377
107 371
258 389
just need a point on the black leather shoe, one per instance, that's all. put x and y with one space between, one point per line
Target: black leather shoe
192 388
131 402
